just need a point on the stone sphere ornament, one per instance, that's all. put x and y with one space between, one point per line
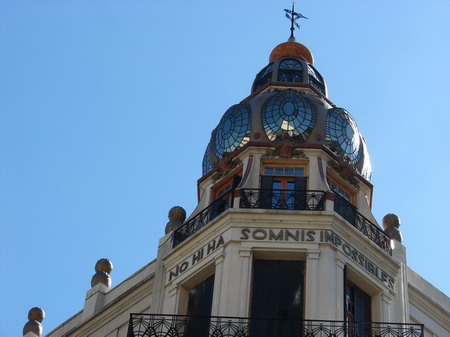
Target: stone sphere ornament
391 225
103 268
391 220
104 265
177 215
35 317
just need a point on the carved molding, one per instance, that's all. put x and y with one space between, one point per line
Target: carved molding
225 165
285 148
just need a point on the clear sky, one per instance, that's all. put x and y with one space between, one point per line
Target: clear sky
106 108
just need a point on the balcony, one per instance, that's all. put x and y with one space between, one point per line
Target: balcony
252 198
199 221
361 223
148 325
304 200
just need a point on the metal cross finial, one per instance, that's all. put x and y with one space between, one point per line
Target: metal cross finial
293 16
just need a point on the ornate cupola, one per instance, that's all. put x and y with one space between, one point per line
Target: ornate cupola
288 104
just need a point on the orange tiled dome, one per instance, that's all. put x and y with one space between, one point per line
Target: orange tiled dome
291 49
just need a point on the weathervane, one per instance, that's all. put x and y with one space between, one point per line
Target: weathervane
293 16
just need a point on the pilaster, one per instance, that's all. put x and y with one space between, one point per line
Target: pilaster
340 309
311 289
217 299
245 258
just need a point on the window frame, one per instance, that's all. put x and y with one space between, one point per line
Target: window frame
280 256
285 164
283 197
188 282
220 188
343 185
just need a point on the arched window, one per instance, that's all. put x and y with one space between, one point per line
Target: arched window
263 77
290 70
315 79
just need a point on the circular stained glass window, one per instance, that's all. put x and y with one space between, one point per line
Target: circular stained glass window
288 113
342 130
206 164
233 130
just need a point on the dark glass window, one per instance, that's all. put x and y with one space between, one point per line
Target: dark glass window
263 77
288 113
206 163
358 309
233 130
290 70
341 129
315 79
277 298
199 308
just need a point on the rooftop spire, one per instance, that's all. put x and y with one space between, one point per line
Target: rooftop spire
293 16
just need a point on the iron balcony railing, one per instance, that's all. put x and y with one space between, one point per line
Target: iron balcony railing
252 198
199 221
149 325
285 200
282 199
361 223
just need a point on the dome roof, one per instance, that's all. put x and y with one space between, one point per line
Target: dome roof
291 49
289 101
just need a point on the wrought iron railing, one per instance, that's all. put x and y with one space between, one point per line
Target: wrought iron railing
218 206
361 223
149 325
282 199
286 200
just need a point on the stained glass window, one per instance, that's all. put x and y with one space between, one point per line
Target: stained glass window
263 77
288 113
315 79
290 70
206 163
342 130
233 130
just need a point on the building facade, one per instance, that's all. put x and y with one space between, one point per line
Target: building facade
282 242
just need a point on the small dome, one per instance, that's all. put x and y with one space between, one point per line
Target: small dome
291 49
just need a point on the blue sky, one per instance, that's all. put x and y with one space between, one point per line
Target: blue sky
106 108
